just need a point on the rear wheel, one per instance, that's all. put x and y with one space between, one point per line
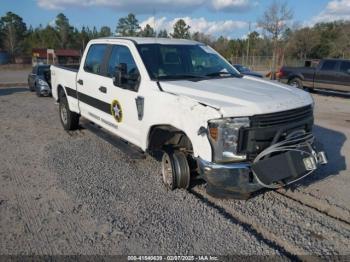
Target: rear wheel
69 119
296 82
175 170
31 89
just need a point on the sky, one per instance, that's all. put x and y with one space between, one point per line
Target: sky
230 18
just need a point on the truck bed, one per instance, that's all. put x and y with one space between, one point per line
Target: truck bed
73 68
64 76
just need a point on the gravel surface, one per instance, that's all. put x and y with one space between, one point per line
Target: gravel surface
328 189
74 193
14 76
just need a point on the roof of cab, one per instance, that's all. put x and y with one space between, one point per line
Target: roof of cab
154 40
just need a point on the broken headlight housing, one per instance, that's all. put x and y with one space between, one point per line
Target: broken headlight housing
223 135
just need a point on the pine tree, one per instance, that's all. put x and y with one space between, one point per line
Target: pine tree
128 26
181 30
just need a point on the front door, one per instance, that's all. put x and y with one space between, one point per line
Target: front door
344 76
326 77
126 105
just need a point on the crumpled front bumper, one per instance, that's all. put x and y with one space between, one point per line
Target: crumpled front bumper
234 180
237 180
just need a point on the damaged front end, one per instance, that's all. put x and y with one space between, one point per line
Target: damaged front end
269 151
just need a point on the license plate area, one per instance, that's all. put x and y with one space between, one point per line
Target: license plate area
288 165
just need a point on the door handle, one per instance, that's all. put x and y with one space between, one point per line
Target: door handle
103 89
80 82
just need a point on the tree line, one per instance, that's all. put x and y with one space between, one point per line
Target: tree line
277 40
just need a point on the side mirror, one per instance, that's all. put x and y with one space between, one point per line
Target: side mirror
120 75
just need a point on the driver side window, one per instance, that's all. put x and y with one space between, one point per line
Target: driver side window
121 55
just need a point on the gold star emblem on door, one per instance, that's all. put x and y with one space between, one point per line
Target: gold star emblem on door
117 111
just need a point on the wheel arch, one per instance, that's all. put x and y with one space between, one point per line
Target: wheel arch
60 89
299 76
164 135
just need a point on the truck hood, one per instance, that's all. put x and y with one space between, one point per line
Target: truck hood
244 96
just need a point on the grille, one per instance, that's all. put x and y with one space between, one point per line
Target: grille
281 118
264 128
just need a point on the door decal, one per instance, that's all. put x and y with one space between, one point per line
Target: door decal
117 111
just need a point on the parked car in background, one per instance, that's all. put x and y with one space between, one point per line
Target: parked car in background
246 71
39 80
331 74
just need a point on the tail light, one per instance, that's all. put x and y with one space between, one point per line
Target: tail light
280 73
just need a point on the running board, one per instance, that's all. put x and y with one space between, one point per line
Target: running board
132 151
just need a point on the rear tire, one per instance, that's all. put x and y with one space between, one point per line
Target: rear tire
296 82
31 89
175 170
69 119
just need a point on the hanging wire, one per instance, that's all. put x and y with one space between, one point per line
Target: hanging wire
295 143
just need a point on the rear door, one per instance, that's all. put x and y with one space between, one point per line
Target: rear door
89 78
344 76
326 76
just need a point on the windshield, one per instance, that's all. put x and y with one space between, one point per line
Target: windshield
170 62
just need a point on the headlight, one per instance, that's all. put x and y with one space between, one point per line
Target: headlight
42 82
223 135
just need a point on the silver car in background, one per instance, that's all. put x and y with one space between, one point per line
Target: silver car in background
39 80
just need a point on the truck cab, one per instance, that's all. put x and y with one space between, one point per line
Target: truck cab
181 98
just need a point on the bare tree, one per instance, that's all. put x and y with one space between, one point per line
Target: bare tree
274 22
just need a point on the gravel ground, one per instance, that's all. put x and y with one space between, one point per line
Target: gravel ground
328 190
74 193
14 76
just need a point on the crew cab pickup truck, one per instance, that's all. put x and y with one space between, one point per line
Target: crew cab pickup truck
332 74
181 98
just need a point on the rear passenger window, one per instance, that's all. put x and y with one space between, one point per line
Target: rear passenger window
345 66
94 58
329 65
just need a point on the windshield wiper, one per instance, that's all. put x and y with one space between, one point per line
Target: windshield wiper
180 76
222 74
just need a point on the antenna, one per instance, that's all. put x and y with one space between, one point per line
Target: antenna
247 57
155 41
154 23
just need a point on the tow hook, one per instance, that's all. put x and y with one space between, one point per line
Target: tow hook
322 158
312 161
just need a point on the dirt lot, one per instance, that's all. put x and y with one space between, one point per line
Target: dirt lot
14 76
74 193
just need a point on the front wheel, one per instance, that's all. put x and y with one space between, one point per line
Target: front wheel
296 82
69 119
175 170
37 91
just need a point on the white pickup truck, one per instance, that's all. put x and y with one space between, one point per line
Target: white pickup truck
183 99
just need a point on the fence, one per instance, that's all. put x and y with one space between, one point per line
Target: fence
264 63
